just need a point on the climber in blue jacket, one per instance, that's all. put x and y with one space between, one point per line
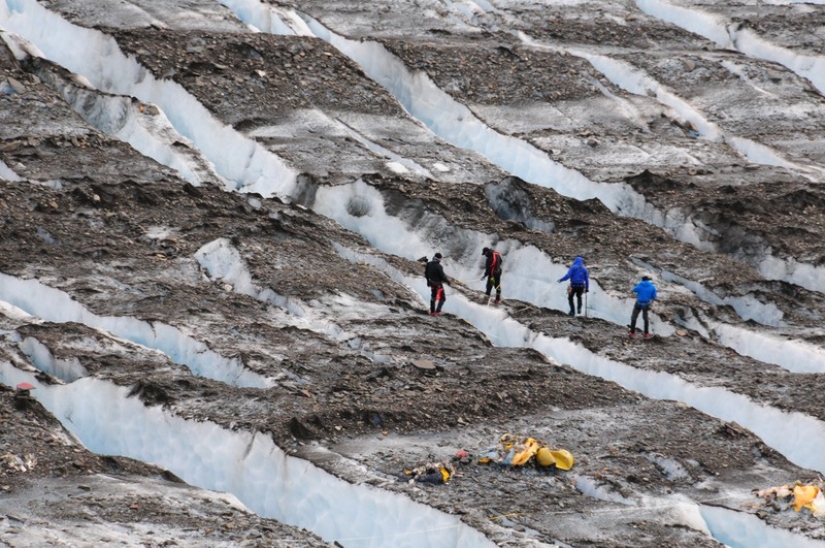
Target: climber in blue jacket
645 295
579 283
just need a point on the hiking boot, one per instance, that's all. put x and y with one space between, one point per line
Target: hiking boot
580 311
647 335
436 313
632 335
497 301
571 313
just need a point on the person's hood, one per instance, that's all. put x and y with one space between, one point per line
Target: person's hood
578 262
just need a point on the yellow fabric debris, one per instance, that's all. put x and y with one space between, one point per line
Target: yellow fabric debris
803 496
780 491
564 459
525 452
511 452
544 457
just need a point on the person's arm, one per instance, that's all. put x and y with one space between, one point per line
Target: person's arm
566 276
444 277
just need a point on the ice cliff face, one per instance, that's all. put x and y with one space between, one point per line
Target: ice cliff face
213 220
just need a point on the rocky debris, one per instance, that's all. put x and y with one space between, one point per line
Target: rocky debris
363 382
749 221
498 71
285 72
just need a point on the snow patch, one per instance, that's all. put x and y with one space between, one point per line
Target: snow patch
7 174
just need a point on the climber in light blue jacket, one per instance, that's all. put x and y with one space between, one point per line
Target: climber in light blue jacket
645 295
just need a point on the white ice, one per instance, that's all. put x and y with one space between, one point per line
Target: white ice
636 81
790 270
224 262
727 35
673 469
250 466
456 124
676 510
41 357
6 173
97 56
54 305
740 529
793 355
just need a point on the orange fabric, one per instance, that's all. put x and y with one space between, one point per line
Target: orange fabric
803 496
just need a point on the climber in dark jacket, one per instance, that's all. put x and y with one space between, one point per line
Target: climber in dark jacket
435 281
645 295
492 271
579 283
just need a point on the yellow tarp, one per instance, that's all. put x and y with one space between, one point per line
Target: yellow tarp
511 452
530 446
805 496
563 457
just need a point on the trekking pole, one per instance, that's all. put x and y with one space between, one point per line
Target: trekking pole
585 303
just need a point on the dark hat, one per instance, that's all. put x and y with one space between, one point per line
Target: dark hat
438 255
485 250
646 278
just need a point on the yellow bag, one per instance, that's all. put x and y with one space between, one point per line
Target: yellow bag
564 459
544 457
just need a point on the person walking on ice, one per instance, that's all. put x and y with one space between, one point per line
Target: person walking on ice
579 283
645 295
434 273
492 271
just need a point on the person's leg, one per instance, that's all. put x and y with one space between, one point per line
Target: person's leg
570 292
441 298
644 318
489 285
498 288
633 317
433 295
579 293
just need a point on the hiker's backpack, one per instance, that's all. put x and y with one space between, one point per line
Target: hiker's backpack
498 263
